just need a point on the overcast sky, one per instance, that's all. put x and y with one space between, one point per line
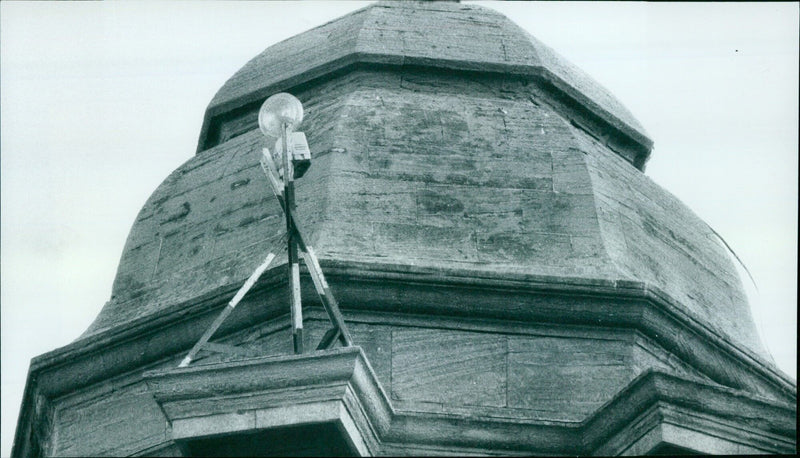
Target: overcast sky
101 101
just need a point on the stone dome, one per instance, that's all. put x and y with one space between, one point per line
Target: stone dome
405 34
446 141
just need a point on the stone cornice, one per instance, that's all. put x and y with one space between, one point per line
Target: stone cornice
476 280
326 386
740 422
525 297
340 386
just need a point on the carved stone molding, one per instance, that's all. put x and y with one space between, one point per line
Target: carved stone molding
335 388
338 389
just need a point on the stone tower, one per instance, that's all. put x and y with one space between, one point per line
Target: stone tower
513 282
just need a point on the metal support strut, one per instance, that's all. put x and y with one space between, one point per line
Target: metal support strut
227 310
296 245
294 266
339 331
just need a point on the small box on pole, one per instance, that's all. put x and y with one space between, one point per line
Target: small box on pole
299 153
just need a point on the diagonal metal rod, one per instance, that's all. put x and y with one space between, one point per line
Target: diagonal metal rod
329 338
326 296
320 284
295 240
227 310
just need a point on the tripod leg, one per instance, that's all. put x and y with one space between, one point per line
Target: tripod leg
297 308
326 296
329 338
227 310
284 194
289 208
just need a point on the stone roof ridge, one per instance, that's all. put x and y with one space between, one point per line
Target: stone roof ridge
577 77
219 96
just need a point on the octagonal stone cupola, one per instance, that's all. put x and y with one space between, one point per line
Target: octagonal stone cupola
513 281
446 138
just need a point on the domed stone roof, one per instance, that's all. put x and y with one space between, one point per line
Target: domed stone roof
453 160
433 34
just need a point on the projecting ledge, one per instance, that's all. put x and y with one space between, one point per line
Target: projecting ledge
659 413
276 403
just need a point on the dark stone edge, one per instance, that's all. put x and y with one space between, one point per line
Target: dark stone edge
654 388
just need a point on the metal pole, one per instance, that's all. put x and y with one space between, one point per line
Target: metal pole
227 311
325 294
294 265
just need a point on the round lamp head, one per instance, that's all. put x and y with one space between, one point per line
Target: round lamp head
277 110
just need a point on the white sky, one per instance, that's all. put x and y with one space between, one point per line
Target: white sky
101 101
